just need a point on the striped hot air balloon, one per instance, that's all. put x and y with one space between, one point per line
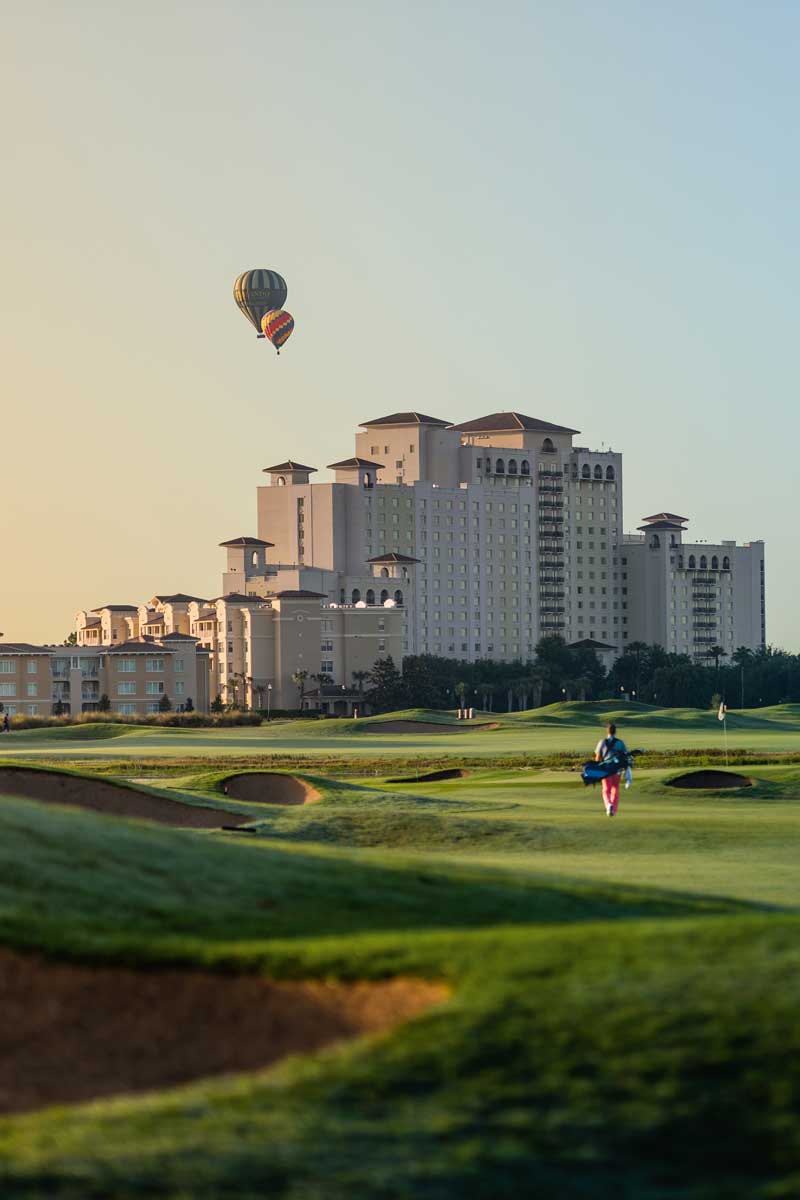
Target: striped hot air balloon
258 292
277 327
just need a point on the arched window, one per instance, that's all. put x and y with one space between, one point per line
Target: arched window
341 595
525 467
726 563
384 572
715 563
254 559
691 562
512 466
488 466
356 596
586 471
703 562
500 468
384 595
281 481
610 473
370 596
680 561
367 480
598 472
398 597
656 542
548 447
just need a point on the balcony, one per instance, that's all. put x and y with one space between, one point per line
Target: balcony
705 612
551 578
704 596
703 577
551 533
551 608
550 503
551 623
551 485
705 624
703 640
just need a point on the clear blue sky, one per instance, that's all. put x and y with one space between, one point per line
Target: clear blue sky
587 212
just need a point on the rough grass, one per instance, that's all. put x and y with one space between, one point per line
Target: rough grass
623 1023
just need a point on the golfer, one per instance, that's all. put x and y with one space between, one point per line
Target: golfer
609 747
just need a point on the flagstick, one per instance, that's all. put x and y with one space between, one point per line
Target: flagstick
725 728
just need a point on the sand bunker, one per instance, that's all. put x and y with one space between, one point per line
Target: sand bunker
71 1033
55 787
269 787
710 779
432 776
423 727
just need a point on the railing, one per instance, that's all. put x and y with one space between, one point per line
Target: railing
551 485
704 595
706 612
550 504
551 608
703 576
704 641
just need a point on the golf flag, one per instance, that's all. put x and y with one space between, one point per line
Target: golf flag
723 709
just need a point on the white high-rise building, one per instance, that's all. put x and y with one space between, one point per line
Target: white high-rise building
488 534
688 597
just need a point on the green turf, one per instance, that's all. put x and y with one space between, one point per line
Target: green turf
623 1021
568 728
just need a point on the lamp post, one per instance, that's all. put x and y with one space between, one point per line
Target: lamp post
269 701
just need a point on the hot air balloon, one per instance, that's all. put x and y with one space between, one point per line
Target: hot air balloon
277 327
258 292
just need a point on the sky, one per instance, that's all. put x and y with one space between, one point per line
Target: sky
585 212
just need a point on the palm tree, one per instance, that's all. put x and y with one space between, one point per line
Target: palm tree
486 692
637 649
716 652
536 682
230 688
360 678
299 680
461 691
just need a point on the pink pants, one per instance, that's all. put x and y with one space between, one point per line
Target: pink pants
611 791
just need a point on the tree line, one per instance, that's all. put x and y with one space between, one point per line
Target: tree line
748 679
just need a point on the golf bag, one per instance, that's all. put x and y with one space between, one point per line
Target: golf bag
617 764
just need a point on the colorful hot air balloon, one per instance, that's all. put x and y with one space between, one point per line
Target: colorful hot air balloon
277 327
258 292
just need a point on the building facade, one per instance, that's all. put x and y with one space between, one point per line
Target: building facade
502 531
134 675
690 596
250 646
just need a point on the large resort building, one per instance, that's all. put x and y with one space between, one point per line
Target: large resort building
469 541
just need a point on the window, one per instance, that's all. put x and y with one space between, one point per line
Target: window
398 597
691 562
370 596
356 596
126 709
33 689
8 689
32 710
714 564
609 472
500 467
547 446
525 467
180 687
154 687
326 666
726 563
32 666
155 664
512 466
126 664
178 666
586 471
126 689
598 472
6 667
703 562
152 708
